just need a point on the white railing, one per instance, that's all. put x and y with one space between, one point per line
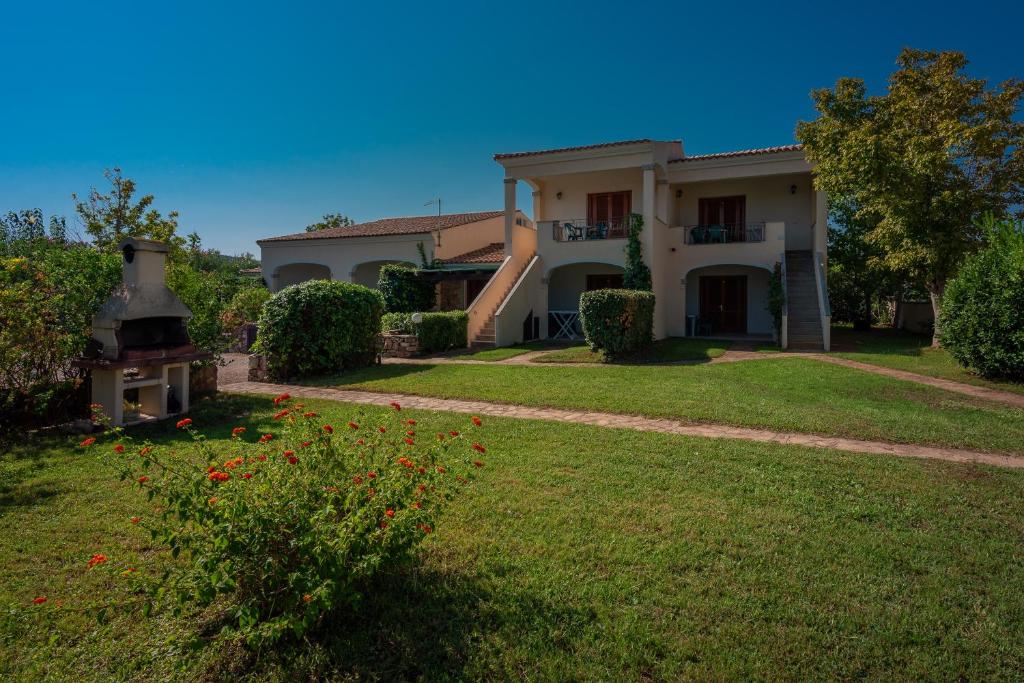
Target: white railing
582 230
508 319
824 306
784 328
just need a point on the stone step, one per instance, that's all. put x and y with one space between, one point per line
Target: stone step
481 345
488 338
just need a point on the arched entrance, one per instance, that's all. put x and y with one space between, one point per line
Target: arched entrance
294 273
368 274
728 301
565 285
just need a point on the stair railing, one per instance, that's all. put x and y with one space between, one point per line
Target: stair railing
784 331
824 306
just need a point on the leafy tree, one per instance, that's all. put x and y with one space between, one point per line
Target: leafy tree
111 217
637 275
330 220
858 275
27 225
925 160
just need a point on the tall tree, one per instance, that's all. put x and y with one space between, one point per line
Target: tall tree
926 159
857 274
330 220
111 217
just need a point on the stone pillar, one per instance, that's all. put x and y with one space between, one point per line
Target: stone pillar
510 213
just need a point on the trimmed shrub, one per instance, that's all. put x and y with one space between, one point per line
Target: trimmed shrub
443 331
280 530
982 317
618 322
318 327
396 322
244 307
404 290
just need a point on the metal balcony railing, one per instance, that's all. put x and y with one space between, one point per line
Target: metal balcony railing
725 233
581 230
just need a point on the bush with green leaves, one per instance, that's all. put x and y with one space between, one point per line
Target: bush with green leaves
396 322
982 317
636 274
404 290
282 529
318 327
443 331
245 307
619 322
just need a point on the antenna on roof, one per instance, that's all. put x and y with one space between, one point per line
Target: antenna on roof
437 201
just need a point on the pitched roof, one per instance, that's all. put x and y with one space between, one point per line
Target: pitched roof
620 143
492 253
741 153
409 225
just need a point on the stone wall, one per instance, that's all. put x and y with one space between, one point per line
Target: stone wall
202 380
401 345
257 368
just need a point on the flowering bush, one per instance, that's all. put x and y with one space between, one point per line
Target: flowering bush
288 525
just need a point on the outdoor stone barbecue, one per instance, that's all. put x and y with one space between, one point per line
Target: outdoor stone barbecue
140 352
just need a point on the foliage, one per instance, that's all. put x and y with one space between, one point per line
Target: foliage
48 296
404 290
922 162
427 263
858 277
245 307
982 312
111 217
636 274
330 220
288 527
617 321
396 322
28 225
319 326
443 331
776 298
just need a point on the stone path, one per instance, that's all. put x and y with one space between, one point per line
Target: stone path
711 431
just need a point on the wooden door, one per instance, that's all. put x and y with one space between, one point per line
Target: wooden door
723 303
473 288
728 212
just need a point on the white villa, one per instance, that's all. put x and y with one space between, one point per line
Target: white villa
714 228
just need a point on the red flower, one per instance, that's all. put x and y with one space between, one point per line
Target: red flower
281 413
143 479
309 413
331 489
184 423
453 433
237 431
477 447
357 480
136 520
418 505
408 441
383 525
360 442
88 442
422 470
478 463
280 398
288 454
119 448
476 420
292 460
212 501
426 528
389 512
266 437
307 598
146 450
247 475
441 470
40 600
440 436
395 405
382 429
410 433
262 457
410 422
421 488
329 429
306 444
353 425
371 474
96 559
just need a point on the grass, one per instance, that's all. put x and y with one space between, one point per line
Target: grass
580 553
789 394
662 351
911 352
504 352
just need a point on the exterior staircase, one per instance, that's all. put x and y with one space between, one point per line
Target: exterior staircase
487 337
804 323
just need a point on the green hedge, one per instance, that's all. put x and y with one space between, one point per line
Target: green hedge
436 332
618 322
318 327
404 290
396 322
982 318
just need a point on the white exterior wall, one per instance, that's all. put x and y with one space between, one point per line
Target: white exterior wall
759 320
565 284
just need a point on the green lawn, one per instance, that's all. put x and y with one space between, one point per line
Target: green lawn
911 352
791 394
580 553
663 351
504 352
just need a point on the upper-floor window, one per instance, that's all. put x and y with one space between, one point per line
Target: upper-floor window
608 207
724 211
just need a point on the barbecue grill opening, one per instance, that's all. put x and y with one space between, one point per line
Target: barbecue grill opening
150 333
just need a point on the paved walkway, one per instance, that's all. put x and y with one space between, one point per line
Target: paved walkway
666 426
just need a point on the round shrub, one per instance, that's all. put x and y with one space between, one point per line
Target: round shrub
404 290
245 307
982 317
396 322
318 327
280 529
618 322
443 331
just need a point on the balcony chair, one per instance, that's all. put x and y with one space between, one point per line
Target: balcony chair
572 233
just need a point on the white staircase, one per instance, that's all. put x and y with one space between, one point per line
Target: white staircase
487 336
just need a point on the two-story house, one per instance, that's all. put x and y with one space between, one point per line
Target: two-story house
714 228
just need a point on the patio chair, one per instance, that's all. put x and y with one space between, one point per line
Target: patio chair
698 235
716 234
601 231
704 327
573 233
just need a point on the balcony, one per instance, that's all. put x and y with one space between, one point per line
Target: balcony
582 230
727 233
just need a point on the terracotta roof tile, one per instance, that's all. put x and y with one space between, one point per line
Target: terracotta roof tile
492 253
740 153
409 225
620 143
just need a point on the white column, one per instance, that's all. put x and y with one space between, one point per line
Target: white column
510 213
650 240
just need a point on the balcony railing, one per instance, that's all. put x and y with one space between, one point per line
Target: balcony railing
726 233
581 230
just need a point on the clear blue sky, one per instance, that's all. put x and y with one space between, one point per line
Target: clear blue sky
253 119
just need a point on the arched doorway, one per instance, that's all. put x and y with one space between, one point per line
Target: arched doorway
565 285
729 300
368 274
294 273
